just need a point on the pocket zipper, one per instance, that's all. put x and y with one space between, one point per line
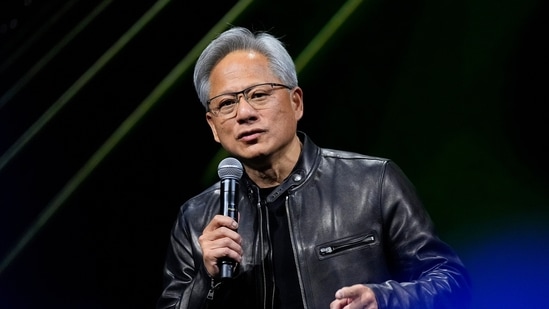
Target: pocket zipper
332 249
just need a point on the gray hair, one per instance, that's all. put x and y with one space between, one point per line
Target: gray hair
239 38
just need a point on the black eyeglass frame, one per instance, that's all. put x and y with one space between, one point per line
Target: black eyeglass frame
243 92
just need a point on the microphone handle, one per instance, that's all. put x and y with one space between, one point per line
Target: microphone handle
229 198
229 207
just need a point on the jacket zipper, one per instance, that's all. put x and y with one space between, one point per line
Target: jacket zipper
333 249
296 260
263 228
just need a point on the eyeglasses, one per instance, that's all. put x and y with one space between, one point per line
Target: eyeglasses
258 96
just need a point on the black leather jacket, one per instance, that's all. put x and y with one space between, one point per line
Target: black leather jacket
353 219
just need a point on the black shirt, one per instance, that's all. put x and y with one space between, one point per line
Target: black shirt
287 292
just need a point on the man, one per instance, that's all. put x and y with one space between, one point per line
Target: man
317 228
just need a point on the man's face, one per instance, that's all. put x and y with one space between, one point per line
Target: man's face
253 133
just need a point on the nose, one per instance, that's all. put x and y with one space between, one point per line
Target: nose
244 109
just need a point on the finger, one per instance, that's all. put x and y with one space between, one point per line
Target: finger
221 221
342 293
230 240
353 291
221 248
339 303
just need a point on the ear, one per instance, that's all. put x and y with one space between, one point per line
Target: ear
296 98
209 119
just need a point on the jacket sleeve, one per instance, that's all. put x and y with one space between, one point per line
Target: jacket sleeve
186 282
427 272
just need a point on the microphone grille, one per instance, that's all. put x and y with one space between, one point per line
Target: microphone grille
230 168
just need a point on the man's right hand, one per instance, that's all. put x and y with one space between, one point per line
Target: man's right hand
220 240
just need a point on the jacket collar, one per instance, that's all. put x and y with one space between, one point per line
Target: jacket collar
308 160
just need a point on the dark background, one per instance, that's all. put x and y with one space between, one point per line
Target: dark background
95 160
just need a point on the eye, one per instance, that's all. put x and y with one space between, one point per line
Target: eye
259 94
226 103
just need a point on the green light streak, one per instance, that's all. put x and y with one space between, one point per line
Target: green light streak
75 181
326 33
167 83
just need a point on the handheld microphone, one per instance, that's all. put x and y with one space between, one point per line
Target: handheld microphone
229 170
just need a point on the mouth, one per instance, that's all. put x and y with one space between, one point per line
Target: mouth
249 135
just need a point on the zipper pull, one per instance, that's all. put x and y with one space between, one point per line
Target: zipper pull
326 250
211 291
